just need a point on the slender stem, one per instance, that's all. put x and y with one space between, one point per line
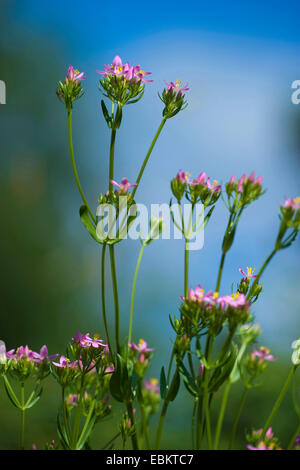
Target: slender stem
279 400
116 297
111 158
220 271
206 398
199 423
186 270
74 166
134 440
76 423
65 416
221 414
237 417
103 296
22 415
148 156
292 441
144 428
256 280
133 292
161 423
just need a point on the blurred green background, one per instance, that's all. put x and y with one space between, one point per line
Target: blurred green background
240 118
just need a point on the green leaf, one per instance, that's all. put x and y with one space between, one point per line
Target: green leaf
174 387
106 115
163 384
85 219
62 434
119 385
188 380
35 399
11 394
222 372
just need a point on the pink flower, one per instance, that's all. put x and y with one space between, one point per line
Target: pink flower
43 355
65 362
264 355
74 75
152 385
124 185
182 176
250 273
86 341
292 203
175 87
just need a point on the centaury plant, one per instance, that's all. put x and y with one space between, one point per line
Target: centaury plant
215 340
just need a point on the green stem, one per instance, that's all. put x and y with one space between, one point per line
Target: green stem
111 158
103 296
199 423
116 297
237 418
221 414
161 423
134 440
148 156
186 270
74 166
22 415
256 280
65 416
207 410
292 441
279 400
133 292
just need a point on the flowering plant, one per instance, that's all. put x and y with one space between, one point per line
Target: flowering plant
215 334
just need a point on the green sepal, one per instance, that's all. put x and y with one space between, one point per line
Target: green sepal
86 220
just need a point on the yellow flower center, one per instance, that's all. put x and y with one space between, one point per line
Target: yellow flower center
96 336
235 296
250 271
297 200
154 381
264 349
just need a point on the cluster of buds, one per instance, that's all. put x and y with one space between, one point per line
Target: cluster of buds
120 197
296 352
209 310
127 428
197 190
71 89
259 442
151 396
23 362
243 191
140 354
248 333
254 364
123 84
173 98
290 223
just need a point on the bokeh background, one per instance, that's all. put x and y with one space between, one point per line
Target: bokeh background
239 59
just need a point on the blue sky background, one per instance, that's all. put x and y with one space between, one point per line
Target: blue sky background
239 59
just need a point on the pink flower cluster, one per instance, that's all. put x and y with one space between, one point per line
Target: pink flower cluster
245 179
211 298
128 72
292 203
86 341
142 349
201 180
23 352
176 88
